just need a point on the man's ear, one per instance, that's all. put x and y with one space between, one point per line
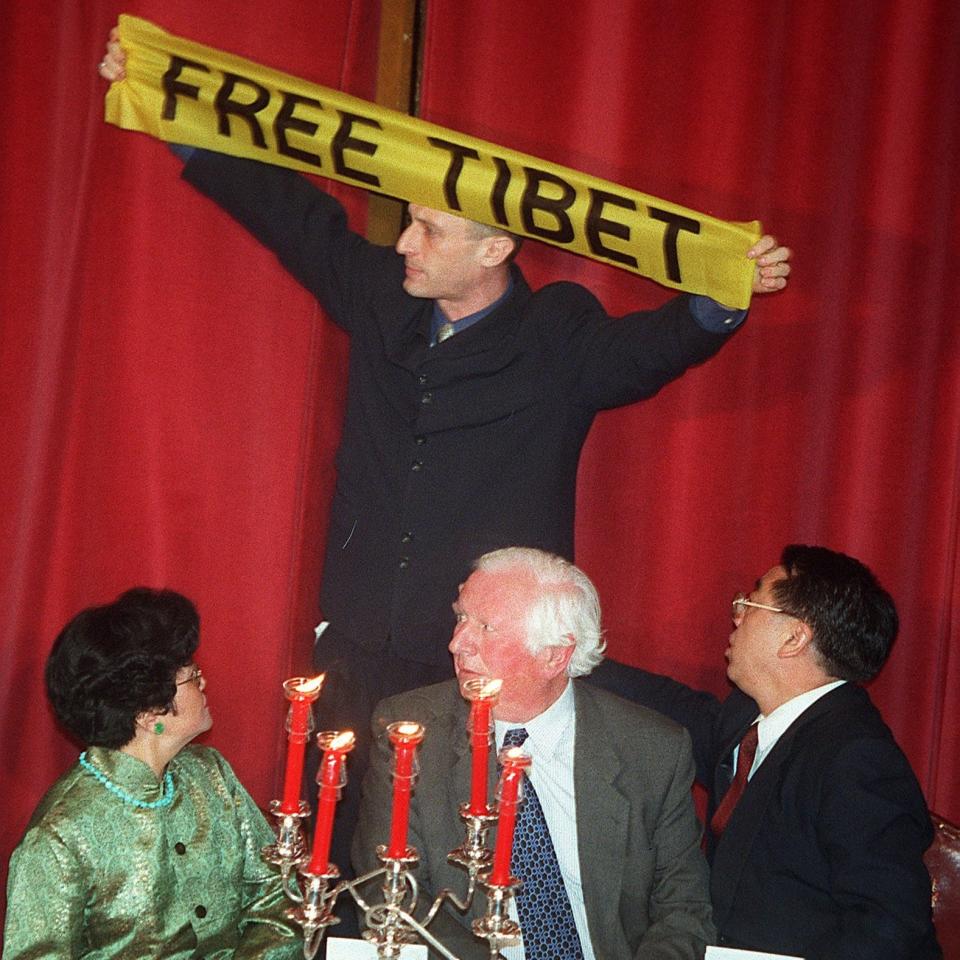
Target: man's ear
557 657
497 250
797 642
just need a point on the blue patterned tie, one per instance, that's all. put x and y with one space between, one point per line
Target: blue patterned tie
543 906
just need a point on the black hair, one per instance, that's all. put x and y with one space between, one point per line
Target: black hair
113 662
854 620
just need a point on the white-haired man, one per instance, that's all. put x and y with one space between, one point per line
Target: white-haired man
612 779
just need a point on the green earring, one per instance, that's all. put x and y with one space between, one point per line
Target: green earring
158 728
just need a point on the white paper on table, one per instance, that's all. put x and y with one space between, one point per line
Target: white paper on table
729 953
340 948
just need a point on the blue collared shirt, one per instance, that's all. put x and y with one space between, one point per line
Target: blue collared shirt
439 318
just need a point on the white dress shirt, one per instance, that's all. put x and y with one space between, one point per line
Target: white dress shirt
550 743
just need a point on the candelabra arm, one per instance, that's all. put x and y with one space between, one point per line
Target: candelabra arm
447 894
289 880
424 932
350 886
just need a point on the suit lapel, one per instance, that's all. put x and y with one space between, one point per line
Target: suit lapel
602 813
458 783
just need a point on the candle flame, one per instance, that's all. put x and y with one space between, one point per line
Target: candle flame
342 740
310 686
515 758
405 733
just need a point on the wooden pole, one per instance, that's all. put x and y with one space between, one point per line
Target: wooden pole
397 83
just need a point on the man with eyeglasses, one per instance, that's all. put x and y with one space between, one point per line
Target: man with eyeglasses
816 823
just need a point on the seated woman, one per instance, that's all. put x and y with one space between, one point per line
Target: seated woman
146 847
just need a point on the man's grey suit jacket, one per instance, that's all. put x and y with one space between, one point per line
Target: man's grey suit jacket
645 883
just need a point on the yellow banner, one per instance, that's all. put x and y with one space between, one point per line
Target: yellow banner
187 93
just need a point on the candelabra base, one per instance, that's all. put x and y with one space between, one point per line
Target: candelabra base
507 931
315 912
389 941
496 926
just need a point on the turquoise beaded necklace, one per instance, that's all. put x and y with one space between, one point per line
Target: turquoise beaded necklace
165 800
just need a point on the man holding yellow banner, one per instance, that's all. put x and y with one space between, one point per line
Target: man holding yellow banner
470 395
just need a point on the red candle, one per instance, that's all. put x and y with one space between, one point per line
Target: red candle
514 761
301 692
404 736
331 777
482 694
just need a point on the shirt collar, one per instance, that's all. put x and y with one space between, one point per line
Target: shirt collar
439 318
771 727
547 730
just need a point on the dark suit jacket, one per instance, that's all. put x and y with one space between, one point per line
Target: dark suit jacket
823 856
643 875
447 452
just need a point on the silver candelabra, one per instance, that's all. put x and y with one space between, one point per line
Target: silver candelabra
393 922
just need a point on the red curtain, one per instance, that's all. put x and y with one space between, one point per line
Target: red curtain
171 399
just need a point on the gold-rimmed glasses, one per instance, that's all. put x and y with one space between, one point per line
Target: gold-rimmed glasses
740 602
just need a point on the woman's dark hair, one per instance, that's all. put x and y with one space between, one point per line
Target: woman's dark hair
111 663
853 618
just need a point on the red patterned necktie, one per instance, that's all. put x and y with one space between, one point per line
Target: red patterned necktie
748 750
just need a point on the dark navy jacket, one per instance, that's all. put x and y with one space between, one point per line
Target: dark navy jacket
451 451
823 855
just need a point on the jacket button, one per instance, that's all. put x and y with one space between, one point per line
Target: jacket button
180 848
201 911
416 466
422 379
407 537
426 398
419 441
404 563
